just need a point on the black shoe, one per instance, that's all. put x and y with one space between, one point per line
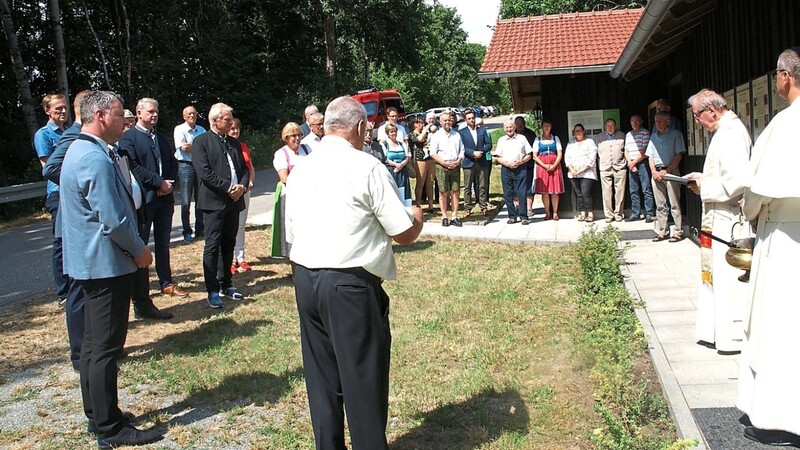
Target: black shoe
525 222
649 219
127 419
729 352
772 437
633 219
455 222
129 435
707 344
511 221
151 312
445 222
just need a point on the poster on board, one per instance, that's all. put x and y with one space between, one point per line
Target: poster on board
778 103
743 109
593 120
730 99
761 112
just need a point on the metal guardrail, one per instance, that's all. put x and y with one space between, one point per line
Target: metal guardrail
23 191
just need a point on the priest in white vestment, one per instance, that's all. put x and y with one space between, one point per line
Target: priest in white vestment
721 296
769 382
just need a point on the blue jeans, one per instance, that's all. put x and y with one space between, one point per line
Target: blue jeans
188 185
514 185
641 180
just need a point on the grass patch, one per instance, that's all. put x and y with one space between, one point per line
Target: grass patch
612 342
483 355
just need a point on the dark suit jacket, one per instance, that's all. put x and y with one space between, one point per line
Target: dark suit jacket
210 162
142 152
305 129
470 147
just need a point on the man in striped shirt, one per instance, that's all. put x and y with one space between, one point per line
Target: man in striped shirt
638 171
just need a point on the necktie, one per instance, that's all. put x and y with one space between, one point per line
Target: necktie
156 150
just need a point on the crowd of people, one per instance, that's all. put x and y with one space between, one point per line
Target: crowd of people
111 177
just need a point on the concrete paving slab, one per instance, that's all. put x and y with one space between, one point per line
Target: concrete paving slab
689 373
671 318
717 395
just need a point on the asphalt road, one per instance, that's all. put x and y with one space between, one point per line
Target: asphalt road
26 252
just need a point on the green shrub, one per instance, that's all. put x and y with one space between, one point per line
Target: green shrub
262 146
610 337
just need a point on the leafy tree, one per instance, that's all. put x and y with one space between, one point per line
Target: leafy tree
525 8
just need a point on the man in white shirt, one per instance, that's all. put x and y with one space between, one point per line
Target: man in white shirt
512 152
184 135
392 116
447 150
312 140
343 309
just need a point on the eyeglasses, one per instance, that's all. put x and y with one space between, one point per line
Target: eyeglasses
315 124
697 114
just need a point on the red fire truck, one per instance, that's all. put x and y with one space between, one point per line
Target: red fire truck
376 103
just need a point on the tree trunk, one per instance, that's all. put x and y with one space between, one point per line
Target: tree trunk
125 45
98 43
19 69
61 55
329 25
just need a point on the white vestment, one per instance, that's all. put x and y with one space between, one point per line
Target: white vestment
721 296
769 390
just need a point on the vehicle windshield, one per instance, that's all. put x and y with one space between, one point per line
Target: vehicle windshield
372 108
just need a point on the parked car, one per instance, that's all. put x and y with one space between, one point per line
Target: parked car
493 110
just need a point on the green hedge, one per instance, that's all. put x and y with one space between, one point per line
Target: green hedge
612 341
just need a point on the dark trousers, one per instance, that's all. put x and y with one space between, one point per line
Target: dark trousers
514 185
640 180
106 315
159 217
189 185
583 190
346 342
476 179
75 312
60 281
221 228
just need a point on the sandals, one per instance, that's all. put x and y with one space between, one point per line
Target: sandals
555 217
676 238
662 237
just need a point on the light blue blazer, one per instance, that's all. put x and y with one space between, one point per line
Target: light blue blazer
98 214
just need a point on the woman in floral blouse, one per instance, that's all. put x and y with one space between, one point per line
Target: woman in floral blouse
581 160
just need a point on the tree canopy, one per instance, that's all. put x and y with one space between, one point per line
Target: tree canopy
525 8
267 59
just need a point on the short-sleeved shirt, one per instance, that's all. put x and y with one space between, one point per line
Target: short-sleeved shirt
309 144
663 147
636 143
362 211
183 134
448 146
402 134
44 142
284 158
512 149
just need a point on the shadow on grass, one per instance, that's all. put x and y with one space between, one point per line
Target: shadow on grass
207 336
418 245
240 390
469 424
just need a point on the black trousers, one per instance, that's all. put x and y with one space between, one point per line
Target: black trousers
106 316
220 230
583 190
346 342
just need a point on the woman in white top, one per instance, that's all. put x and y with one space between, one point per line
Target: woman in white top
581 160
283 161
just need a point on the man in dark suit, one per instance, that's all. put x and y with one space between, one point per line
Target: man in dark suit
102 250
475 165
156 166
309 111
219 164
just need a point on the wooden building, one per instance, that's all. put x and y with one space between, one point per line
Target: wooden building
671 49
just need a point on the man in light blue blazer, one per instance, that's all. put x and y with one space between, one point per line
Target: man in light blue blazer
475 165
102 250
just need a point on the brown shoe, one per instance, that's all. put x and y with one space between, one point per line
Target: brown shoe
173 290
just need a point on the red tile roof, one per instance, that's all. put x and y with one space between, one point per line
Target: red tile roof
548 43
